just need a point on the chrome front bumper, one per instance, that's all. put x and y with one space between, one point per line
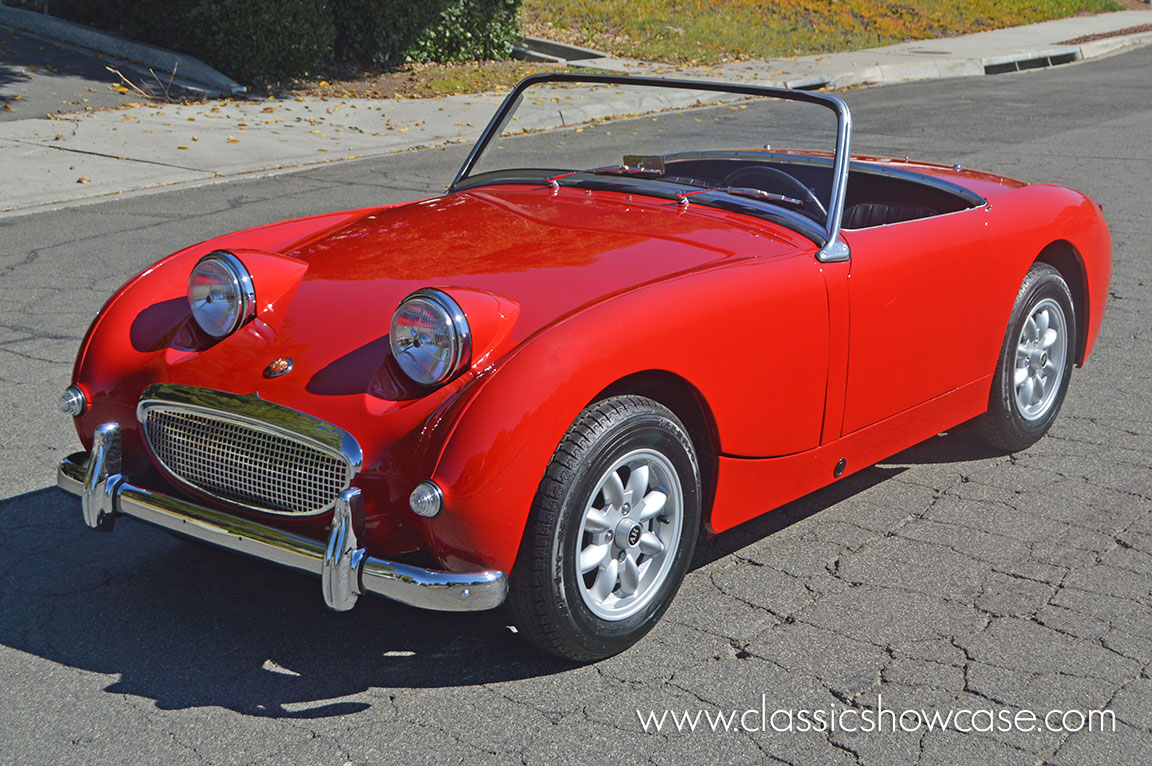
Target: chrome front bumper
345 569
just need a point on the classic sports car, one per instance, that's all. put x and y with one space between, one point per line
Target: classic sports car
629 320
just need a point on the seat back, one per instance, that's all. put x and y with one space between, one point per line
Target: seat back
866 214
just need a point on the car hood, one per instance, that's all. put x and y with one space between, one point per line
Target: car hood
517 258
551 253
545 254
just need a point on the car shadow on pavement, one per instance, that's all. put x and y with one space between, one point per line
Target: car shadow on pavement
956 446
961 444
188 625
743 535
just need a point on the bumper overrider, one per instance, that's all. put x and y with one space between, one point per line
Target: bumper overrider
346 570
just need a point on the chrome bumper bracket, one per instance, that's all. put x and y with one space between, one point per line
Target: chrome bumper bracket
340 575
102 479
345 568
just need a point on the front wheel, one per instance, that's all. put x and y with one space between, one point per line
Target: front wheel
1035 364
611 531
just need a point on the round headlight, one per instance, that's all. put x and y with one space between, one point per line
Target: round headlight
430 337
220 294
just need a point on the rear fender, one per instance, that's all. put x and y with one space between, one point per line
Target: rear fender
1042 221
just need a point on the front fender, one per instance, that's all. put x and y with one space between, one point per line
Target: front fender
751 337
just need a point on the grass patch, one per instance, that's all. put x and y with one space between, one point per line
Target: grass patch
713 31
417 80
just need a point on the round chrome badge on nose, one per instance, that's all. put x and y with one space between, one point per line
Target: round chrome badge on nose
278 367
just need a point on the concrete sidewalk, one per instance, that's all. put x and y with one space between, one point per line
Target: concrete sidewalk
83 157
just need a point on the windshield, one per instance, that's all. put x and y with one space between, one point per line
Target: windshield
764 151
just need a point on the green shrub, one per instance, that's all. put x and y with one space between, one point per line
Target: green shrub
390 32
249 40
255 40
260 40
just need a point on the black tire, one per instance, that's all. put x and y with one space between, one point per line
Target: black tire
552 603
1012 421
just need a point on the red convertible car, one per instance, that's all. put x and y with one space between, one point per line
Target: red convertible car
645 309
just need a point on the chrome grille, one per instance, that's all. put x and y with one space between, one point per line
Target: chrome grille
249 464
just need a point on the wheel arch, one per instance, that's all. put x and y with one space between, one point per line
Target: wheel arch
691 407
1063 256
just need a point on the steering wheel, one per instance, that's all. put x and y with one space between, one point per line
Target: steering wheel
772 180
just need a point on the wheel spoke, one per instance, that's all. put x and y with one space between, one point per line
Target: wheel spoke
653 504
1041 386
596 521
1020 377
1030 330
629 576
1049 368
651 544
1049 339
606 581
614 489
638 483
1042 321
593 556
1029 390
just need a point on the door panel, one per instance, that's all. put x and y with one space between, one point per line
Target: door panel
918 308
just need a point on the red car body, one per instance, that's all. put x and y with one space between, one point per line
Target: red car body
778 427
841 364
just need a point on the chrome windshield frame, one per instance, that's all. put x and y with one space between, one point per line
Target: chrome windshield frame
833 249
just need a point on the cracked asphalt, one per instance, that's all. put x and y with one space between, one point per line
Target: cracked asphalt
945 578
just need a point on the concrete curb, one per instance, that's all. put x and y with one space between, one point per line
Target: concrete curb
1063 54
538 49
191 72
1109 45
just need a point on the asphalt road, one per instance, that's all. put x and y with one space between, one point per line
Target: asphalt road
946 578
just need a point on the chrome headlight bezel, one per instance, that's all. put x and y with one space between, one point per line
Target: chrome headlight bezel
241 303
73 401
447 359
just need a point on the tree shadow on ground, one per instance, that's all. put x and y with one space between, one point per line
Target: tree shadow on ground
29 65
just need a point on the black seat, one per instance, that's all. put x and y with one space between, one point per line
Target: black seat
865 214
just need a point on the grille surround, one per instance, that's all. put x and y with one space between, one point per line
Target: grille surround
246 452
